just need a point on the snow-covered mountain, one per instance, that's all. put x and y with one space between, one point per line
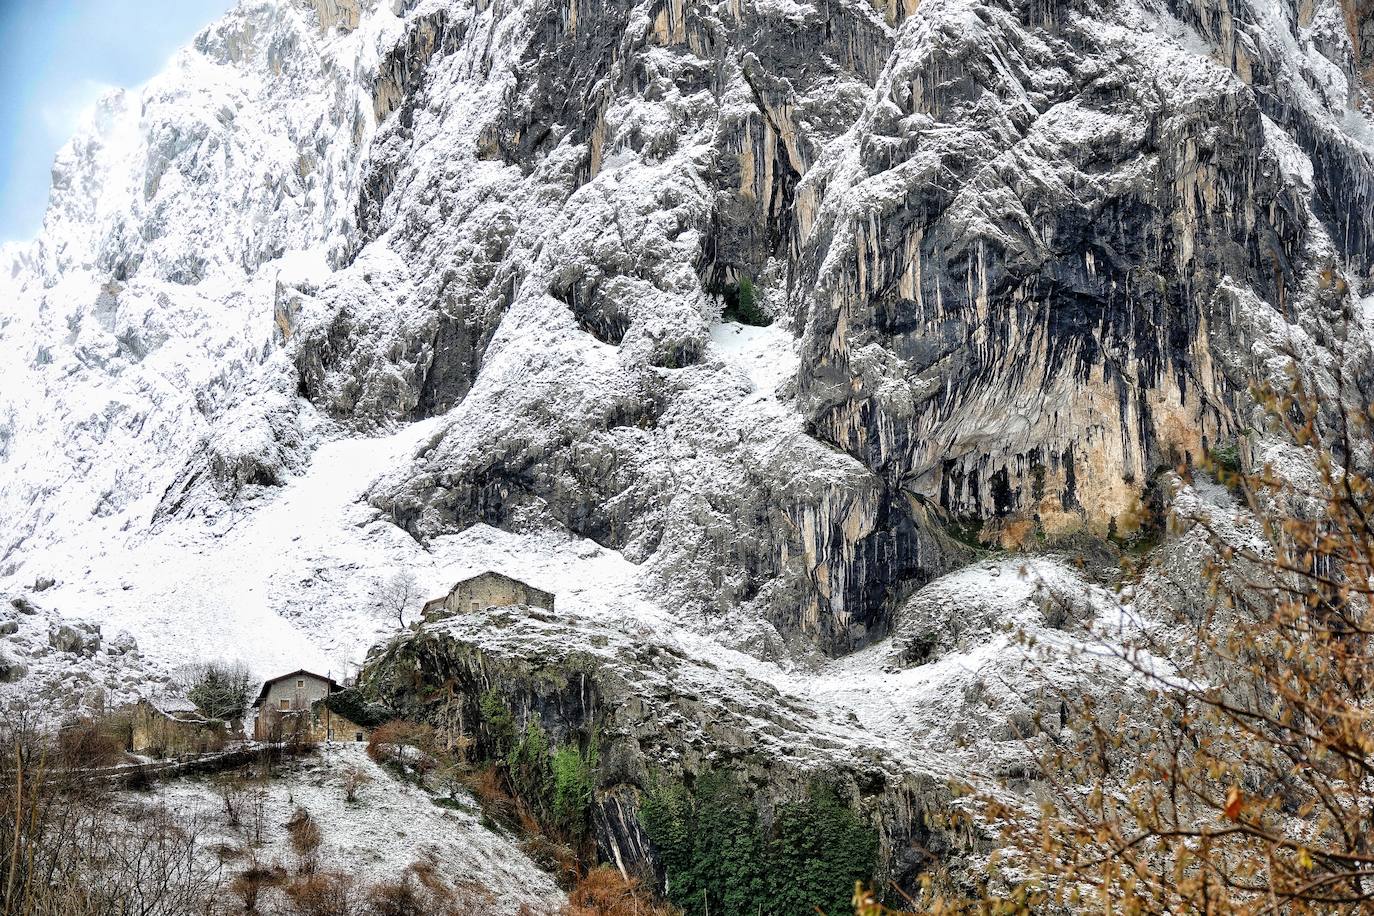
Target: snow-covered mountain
357 286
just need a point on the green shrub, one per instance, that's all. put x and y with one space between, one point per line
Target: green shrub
1226 458
528 768
742 305
824 847
555 783
719 858
572 790
499 722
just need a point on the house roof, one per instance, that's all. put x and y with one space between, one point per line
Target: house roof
267 684
493 574
173 704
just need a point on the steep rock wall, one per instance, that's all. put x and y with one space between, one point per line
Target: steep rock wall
1035 254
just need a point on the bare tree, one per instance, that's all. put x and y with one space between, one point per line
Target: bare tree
398 593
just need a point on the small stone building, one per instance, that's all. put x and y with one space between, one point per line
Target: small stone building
291 707
490 589
171 726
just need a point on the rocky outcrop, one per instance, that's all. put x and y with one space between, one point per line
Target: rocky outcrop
651 716
11 670
342 15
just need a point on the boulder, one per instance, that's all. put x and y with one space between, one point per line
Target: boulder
10 670
9 627
123 643
78 638
23 605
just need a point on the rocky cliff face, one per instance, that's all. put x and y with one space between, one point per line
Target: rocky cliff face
1020 257
652 716
1033 254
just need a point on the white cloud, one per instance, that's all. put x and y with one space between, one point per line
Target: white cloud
69 107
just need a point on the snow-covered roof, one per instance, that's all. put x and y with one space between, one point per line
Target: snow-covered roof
171 705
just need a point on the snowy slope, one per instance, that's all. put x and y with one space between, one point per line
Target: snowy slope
391 826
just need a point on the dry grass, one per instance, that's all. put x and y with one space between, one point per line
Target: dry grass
489 788
306 837
605 891
89 744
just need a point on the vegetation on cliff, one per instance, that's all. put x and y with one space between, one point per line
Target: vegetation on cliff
721 857
742 304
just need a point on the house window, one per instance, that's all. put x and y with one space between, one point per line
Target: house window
300 682
285 704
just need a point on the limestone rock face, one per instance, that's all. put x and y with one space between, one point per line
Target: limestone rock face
439 285
1021 257
1033 256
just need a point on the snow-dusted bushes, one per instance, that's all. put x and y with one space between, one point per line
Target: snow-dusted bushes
68 851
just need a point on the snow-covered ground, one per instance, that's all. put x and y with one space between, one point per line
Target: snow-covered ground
392 825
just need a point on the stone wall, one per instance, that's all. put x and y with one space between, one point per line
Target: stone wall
484 591
155 733
316 725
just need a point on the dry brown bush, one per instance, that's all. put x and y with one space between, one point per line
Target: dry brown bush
89 744
404 897
489 788
306 837
323 894
605 891
390 742
354 778
421 890
249 884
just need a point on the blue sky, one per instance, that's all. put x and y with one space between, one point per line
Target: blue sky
56 58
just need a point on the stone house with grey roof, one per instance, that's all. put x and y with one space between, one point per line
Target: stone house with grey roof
173 726
292 707
488 589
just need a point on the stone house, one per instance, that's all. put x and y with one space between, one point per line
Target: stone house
171 726
489 589
291 707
